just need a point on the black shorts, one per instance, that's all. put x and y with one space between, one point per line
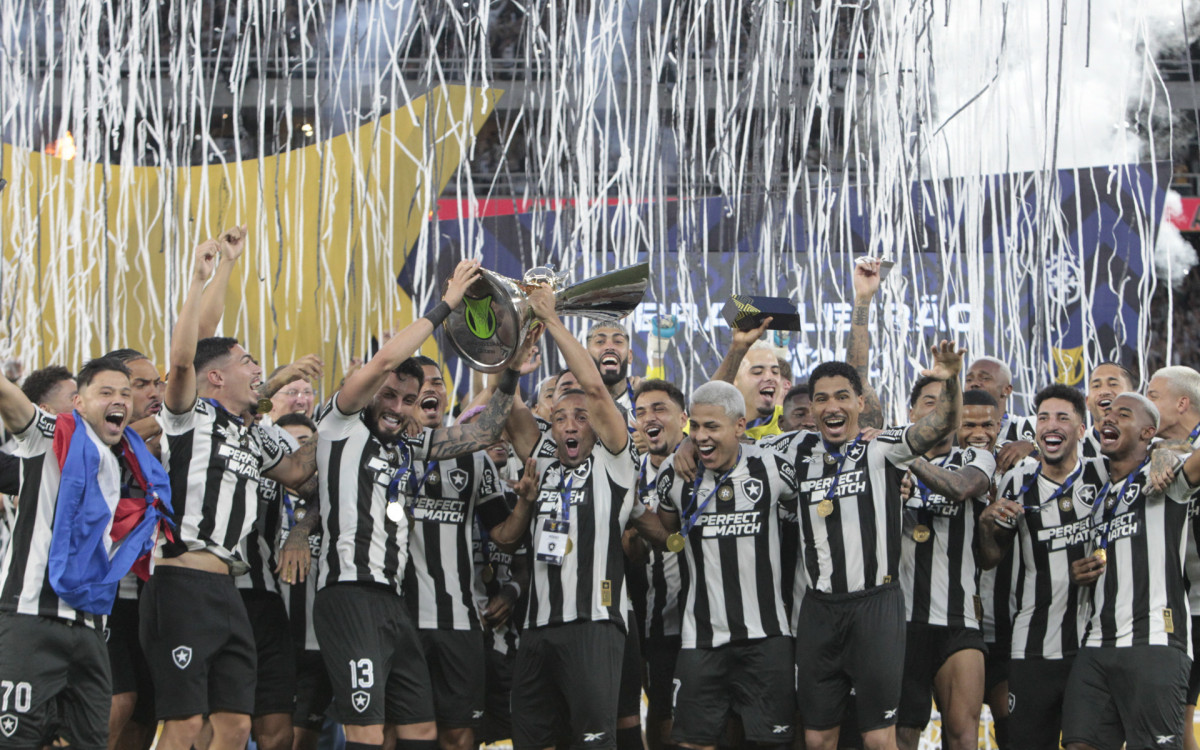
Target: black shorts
754 679
55 680
660 655
130 672
926 649
369 626
1194 676
995 666
497 716
850 642
275 692
198 642
1132 695
629 696
1035 702
565 684
313 691
455 659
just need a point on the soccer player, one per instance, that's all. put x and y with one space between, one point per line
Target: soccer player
133 692
797 410
195 631
735 635
585 478
753 368
944 651
1129 680
609 347
1106 381
1176 393
995 377
370 501
850 632
52 652
52 389
1044 511
452 496
661 416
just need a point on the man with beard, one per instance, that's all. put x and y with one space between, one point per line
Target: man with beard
133 692
753 368
1129 680
370 501
79 471
1176 393
660 418
1044 512
944 650
194 628
609 347
585 481
850 631
451 497
735 635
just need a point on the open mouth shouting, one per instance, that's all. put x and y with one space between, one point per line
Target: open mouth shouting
1104 402
429 405
707 453
1109 435
835 424
571 448
1052 442
767 393
391 422
610 361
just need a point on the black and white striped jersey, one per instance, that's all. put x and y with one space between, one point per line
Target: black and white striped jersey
444 497
1052 533
598 495
850 508
1013 429
661 570
298 599
938 572
495 570
1141 598
360 542
260 546
731 583
1192 560
215 462
24 579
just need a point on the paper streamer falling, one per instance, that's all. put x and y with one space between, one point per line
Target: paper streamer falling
332 128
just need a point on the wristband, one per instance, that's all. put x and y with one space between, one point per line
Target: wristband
508 382
438 314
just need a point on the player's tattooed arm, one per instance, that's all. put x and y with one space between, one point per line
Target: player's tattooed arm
955 485
935 426
298 469
742 341
858 344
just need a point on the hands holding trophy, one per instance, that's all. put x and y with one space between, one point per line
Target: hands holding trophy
486 330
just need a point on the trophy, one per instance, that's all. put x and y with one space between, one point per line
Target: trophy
487 328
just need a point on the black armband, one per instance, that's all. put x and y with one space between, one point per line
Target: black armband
438 314
508 381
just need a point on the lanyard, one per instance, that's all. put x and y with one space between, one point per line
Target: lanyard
430 468
841 460
694 515
644 487
393 488
1107 513
1195 434
564 496
1062 488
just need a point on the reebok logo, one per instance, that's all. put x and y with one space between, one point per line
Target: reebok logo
593 736
890 713
781 728
1164 739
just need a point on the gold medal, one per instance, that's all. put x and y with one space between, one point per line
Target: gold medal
300 514
829 459
675 542
725 494
1101 555
488 574
1065 504
921 533
570 546
395 512
264 406
825 508
433 478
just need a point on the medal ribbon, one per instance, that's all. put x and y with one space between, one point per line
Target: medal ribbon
692 516
841 460
431 467
644 487
393 489
1106 513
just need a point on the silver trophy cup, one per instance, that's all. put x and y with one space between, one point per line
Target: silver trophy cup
487 328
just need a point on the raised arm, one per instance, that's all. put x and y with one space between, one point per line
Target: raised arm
180 394
448 442
955 486
359 388
742 341
308 368
212 305
858 345
935 426
16 410
607 420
